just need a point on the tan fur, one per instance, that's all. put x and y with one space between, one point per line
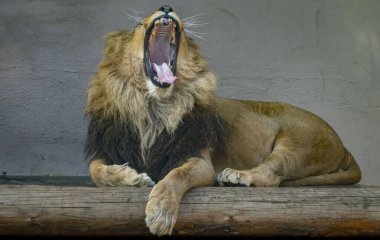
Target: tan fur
119 88
163 204
117 175
289 144
269 144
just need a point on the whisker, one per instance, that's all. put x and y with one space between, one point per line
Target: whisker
201 33
195 21
139 18
134 18
196 34
195 24
193 17
137 12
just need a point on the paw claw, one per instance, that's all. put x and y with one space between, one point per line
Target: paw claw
143 180
161 223
233 176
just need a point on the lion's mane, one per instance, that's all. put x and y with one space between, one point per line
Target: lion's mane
151 131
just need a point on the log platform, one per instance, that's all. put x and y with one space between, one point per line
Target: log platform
47 210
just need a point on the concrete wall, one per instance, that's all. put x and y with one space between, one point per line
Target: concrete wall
323 56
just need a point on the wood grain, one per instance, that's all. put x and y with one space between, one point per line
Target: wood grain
211 211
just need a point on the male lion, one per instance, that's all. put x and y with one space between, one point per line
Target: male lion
155 121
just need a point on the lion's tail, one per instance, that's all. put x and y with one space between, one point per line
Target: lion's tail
350 175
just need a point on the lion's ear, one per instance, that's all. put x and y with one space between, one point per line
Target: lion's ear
114 43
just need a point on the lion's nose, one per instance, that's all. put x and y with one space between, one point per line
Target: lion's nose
166 9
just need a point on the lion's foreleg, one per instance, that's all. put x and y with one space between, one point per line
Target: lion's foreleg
260 176
117 175
163 204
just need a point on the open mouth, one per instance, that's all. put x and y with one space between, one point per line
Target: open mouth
160 50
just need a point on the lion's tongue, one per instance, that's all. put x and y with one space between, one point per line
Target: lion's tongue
164 74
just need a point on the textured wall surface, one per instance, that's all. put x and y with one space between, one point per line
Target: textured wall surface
323 56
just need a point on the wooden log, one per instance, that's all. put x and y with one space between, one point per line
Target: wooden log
212 211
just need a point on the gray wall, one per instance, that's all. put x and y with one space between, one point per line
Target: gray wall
323 56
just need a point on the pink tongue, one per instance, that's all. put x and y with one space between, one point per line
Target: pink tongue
164 73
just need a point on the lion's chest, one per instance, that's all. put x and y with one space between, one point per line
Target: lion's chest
119 143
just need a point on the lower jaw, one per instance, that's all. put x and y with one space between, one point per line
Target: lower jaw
159 92
160 85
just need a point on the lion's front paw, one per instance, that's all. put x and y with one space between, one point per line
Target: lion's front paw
263 177
161 210
233 176
142 180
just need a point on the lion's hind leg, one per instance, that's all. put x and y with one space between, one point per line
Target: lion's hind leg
285 167
270 173
349 174
117 175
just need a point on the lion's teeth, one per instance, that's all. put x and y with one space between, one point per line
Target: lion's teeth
152 35
163 27
172 41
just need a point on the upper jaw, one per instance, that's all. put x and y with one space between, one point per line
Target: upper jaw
161 44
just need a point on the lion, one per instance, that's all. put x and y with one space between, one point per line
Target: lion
155 121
